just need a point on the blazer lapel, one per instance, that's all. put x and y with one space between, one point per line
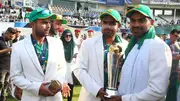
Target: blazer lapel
32 54
50 54
100 56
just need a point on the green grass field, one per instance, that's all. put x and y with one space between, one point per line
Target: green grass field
75 94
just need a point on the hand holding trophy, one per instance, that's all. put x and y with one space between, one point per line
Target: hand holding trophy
55 86
114 64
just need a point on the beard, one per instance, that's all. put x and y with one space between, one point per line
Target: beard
41 33
108 33
138 31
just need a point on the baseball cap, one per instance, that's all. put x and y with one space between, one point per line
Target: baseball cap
143 9
59 17
115 14
90 30
77 30
39 13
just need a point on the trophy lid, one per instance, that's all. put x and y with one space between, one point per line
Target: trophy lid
115 48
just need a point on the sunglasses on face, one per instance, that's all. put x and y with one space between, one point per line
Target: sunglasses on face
68 36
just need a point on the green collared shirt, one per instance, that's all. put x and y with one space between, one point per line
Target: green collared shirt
41 52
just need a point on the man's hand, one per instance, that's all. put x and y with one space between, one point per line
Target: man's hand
44 91
55 86
65 90
115 98
18 93
8 49
101 94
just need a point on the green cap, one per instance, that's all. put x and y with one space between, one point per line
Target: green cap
143 9
39 13
115 14
58 17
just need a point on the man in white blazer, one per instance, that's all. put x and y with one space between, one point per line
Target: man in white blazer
146 71
37 60
91 68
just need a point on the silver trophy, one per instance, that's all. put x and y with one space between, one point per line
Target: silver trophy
114 64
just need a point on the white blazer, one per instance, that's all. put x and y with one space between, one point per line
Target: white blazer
26 72
145 73
90 68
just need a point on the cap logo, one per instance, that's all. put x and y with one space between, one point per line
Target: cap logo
137 6
110 10
59 17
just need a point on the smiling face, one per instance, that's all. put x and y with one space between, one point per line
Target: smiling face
57 25
139 24
109 26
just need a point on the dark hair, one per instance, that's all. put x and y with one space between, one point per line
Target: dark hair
174 31
11 30
52 32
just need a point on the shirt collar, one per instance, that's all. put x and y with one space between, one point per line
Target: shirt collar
117 39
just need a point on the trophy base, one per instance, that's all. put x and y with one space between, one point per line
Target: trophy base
111 92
